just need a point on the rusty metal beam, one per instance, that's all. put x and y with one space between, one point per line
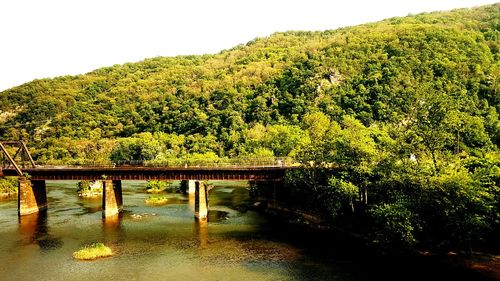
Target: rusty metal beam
158 173
27 153
18 170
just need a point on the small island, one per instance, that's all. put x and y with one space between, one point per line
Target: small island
156 187
93 251
89 189
157 200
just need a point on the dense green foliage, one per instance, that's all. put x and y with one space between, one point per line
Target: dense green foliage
87 188
252 99
8 185
400 202
156 186
397 120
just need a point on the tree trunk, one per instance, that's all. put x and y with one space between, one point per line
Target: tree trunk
434 161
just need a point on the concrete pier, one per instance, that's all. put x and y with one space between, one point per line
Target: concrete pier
31 196
188 186
201 201
191 187
112 199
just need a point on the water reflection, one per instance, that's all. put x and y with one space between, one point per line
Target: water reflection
34 230
113 223
191 202
201 232
112 229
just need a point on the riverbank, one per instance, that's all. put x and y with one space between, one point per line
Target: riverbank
486 264
478 266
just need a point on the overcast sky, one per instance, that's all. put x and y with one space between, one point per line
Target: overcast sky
47 38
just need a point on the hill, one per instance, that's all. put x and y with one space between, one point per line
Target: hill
252 99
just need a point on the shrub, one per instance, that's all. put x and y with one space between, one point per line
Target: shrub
394 224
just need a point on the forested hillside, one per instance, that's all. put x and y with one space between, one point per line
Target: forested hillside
253 98
398 119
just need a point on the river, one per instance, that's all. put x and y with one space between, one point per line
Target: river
166 243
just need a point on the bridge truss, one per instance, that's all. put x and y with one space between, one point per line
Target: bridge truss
21 157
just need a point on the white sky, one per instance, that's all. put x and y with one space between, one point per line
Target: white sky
47 38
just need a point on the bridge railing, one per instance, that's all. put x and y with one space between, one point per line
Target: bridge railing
179 163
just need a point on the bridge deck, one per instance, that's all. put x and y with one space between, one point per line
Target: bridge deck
152 173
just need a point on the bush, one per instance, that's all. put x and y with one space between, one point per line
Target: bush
345 193
455 209
394 224
155 186
89 188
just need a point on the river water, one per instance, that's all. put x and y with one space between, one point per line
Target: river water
166 243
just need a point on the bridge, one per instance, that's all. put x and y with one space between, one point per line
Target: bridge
234 172
32 196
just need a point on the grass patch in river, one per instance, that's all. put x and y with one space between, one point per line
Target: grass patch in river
157 200
93 251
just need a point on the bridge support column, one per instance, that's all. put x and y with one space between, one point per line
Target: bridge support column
191 187
200 201
188 186
112 200
31 196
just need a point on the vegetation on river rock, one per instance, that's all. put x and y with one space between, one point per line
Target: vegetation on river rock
89 188
397 121
157 200
157 186
93 251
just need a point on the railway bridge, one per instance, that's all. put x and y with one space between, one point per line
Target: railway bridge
32 195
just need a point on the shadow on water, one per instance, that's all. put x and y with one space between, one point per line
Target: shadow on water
217 216
340 250
89 205
34 230
236 198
